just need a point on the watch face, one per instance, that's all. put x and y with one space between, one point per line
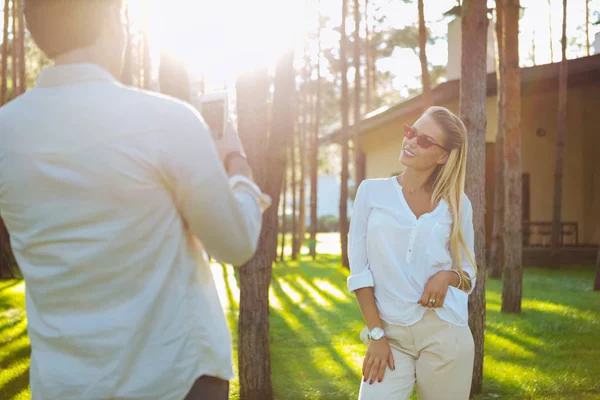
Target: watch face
377 333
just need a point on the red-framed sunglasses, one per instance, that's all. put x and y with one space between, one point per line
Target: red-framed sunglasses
422 140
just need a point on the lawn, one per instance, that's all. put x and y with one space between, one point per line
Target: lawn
550 351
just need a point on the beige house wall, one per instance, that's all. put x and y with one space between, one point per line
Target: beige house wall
581 184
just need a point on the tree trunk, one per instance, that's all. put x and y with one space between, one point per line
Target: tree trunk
284 226
294 201
359 155
512 288
15 51
173 77
127 74
560 144
345 137
145 48
550 26
473 114
147 69
373 72
304 137
267 157
4 85
426 82
533 49
21 44
7 260
497 246
587 28
368 94
314 157
597 281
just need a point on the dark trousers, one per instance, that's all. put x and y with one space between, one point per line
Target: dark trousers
209 388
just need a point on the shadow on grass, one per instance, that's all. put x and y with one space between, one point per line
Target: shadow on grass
549 350
304 348
15 385
8 283
14 346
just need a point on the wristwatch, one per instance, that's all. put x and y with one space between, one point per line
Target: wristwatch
231 156
376 333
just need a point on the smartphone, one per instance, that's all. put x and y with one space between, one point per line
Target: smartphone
214 110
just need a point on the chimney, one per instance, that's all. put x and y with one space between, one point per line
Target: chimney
454 49
597 43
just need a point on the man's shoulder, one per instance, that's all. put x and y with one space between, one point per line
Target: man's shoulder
15 107
158 103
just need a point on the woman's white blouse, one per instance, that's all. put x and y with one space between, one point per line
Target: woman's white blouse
396 253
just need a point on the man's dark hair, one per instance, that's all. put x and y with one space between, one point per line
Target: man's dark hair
60 26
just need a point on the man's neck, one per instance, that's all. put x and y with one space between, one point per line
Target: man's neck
87 55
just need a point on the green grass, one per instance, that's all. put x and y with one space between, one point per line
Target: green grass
549 351
14 343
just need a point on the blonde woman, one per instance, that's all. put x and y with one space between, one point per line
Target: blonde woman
412 267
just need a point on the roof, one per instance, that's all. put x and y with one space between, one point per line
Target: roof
534 79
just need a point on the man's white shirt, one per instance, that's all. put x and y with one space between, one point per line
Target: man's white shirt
111 195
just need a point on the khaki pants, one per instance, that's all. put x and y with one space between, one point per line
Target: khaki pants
435 354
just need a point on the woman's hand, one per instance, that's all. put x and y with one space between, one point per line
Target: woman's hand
379 356
436 289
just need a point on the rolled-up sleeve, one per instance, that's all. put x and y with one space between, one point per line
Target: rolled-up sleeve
469 236
360 273
225 214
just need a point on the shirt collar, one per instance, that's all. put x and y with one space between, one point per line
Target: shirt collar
71 74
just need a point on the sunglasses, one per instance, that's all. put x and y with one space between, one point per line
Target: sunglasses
422 140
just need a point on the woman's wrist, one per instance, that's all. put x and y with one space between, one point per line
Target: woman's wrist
452 277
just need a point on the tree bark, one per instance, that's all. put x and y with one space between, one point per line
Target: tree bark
473 113
368 94
173 77
550 27
147 62
497 248
304 136
284 226
560 144
425 80
7 259
512 288
127 74
266 155
345 137
4 85
146 59
21 44
587 28
15 52
294 200
359 155
597 281
314 156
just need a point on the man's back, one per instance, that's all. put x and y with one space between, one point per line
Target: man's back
117 306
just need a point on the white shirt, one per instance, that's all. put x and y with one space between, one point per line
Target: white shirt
396 253
105 191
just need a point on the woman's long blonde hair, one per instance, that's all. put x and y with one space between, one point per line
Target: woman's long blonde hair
448 183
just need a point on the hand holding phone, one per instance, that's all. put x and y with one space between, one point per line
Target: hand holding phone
214 110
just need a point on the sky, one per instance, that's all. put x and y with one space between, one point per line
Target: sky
224 37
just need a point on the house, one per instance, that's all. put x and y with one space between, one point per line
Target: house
382 135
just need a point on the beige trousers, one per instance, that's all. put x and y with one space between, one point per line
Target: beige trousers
435 354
